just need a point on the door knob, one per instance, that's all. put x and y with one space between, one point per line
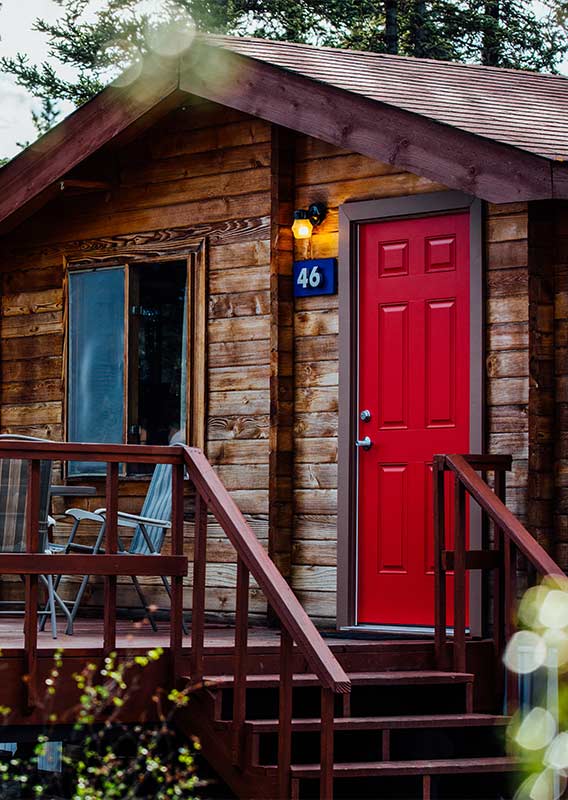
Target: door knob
365 443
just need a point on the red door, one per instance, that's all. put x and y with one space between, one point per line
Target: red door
414 380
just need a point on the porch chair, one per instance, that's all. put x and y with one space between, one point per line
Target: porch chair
149 526
13 502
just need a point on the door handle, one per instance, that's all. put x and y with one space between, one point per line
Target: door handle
365 443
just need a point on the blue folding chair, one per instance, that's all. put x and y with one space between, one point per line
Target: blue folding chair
149 526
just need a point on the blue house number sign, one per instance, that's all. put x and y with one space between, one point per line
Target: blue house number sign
315 276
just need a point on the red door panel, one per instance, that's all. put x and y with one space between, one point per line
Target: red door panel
414 379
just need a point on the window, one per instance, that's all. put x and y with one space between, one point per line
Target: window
128 344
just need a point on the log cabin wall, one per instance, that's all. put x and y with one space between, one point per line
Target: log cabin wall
205 172
327 174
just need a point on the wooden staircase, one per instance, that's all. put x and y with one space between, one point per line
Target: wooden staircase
400 733
314 718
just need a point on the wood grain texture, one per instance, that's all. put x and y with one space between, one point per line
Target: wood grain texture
216 173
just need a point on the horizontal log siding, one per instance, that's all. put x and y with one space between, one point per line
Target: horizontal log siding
201 172
326 174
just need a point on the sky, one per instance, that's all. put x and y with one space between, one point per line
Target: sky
16 35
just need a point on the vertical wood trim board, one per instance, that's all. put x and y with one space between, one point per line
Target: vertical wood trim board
280 494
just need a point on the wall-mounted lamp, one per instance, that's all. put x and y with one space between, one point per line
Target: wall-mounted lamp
305 221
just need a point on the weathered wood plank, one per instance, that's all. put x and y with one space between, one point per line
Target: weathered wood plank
239 304
246 132
247 403
318 373
32 414
48 300
239 427
32 325
240 451
239 329
214 162
226 354
239 278
238 378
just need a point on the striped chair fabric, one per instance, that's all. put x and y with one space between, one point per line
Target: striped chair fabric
13 504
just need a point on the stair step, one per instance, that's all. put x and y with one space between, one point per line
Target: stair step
394 678
383 723
430 767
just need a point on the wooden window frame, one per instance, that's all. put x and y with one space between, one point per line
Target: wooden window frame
351 215
194 254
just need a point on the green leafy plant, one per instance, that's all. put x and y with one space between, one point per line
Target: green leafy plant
104 758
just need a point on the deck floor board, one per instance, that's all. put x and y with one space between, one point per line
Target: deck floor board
88 634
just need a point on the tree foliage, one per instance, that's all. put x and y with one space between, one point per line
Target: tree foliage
104 758
87 49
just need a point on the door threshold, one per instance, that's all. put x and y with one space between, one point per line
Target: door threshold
410 631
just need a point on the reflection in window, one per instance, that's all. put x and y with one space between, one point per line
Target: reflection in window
96 360
149 334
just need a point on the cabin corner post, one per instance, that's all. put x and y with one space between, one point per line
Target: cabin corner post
541 369
280 488
561 385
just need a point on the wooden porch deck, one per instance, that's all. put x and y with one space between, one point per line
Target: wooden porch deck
138 635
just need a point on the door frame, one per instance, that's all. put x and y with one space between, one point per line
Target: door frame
351 215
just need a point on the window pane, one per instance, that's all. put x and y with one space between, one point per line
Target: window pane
96 360
157 351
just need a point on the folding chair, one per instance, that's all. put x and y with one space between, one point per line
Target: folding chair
149 526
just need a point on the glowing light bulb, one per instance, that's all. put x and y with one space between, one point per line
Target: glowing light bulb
302 228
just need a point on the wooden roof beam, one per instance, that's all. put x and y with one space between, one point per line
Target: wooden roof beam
460 160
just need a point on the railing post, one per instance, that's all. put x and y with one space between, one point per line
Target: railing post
198 595
326 753
241 639
109 626
439 508
510 598
499 635
285 715
176 614
459 575
31 588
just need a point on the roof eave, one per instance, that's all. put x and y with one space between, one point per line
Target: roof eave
30 179
482 167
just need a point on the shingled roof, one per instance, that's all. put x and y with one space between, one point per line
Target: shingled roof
528 110
501 135
525 109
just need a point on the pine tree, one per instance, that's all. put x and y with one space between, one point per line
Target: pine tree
493 32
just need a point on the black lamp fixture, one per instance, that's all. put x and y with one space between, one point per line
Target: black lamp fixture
306 220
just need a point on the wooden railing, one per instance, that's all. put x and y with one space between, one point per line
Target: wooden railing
510 538
296 626
252 560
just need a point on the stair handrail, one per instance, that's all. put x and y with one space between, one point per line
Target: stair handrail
296 626
280 596
504 519
511 537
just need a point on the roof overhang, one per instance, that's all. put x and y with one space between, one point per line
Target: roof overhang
458 159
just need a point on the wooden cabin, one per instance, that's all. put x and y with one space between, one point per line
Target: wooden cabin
337 380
